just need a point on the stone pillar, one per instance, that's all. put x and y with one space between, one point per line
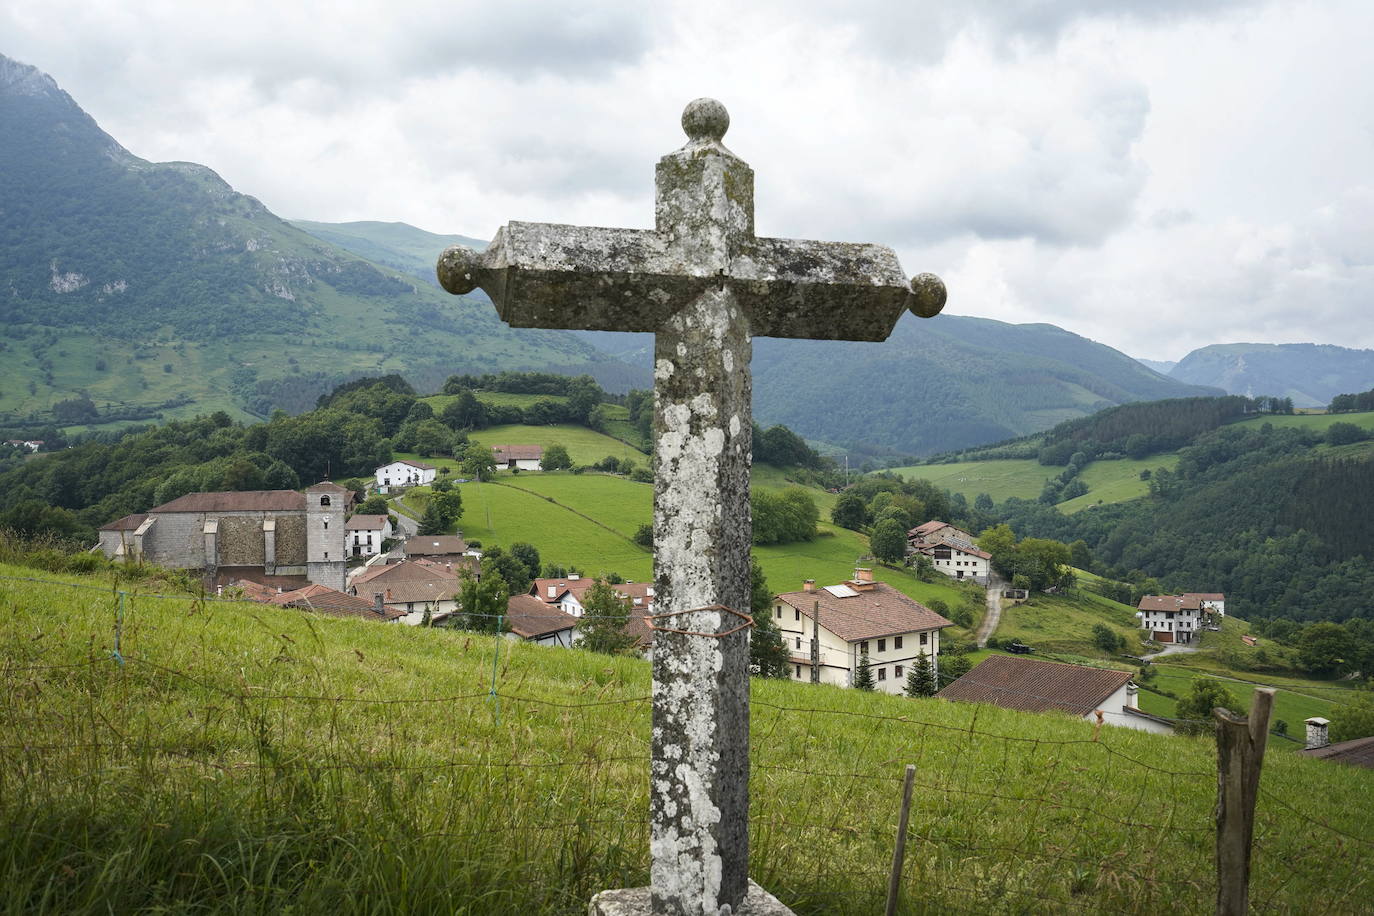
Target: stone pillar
699 775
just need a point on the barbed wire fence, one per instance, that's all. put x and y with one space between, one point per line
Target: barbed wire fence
542 801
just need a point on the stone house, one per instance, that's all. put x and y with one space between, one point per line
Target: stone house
410 587
366 534
521 457
404 473
937 532
282 536
958 560
852 619
1031 685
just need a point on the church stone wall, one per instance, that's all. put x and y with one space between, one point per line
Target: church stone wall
241 541
291 540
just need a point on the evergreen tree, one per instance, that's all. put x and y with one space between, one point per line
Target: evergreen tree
952 667
863 675
433 521
920 680
605 614
768 657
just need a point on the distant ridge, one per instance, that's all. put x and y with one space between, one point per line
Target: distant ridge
1310 374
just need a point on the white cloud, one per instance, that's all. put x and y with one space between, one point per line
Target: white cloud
1156 175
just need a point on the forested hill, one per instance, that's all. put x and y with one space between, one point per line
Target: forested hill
935 385
1277 514
1310 374
140 283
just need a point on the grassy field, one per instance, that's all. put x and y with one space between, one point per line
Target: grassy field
1313 422
585 446
245 761
1064 622
1108 481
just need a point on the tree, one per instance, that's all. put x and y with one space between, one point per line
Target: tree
768 657
605 614
465 412
556 458
433 438
1197 704
1353 720
433 521
888 541
953 667
482 603
374 505
863 675
511 570
449 506
920 680
644 536
478 462
527 554
1341 433
1322 648
1106 639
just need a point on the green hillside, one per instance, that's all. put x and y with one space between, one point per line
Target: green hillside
395 245
1108 482
139 283
1310 374
245 762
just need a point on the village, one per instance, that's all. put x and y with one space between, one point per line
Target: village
313 552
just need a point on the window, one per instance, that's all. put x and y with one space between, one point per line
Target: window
326 524
882 645
324 500
897 643
798 667
897 671
882 674
863 647
798 642
778 612
797 613
925 638
326 555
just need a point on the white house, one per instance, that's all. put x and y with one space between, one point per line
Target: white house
1031 685
856 618
411 588
958 560
365 534
937 532
532 620
1170 618
1213 605
519 457
404 473
566 593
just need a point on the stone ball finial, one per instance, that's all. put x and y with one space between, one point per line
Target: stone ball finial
457 269
705 119
927 295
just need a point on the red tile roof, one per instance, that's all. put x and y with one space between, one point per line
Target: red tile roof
1205 596
407 571
927 528
530 618
1031 685
877 611
518 452
1169 603
431 545
365 523
234 501
127 523
334 603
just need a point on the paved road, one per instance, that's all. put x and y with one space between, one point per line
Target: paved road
994 614
1175 649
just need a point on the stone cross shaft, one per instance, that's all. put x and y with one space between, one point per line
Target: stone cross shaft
704 284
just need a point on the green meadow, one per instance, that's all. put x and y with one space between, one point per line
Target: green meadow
1108 481
248 761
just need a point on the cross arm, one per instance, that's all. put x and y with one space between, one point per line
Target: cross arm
549 275
822 290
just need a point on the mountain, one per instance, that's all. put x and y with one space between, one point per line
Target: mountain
935 385
1310 374
396 245
148 285
1162 366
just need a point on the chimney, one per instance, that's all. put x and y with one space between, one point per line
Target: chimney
809 585
1316 733
1132 695
863 574
377 603
219 591
553 592
388 594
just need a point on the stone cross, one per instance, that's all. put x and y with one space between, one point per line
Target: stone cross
704 284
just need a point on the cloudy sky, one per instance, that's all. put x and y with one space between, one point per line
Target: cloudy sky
1166 175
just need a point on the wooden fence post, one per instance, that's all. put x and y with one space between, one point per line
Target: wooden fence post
894 881
1240 754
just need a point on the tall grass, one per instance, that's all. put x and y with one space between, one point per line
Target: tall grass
252 760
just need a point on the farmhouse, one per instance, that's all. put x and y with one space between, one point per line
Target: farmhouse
1030 685
937 532
404 474
366 533
1213 605
282 536
567 593
853 619
535 621
951 550
411 587
1170 618
519 457
320 599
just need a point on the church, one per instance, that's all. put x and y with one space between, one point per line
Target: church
275 537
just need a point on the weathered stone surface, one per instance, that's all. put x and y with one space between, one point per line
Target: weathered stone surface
635 901
705 285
